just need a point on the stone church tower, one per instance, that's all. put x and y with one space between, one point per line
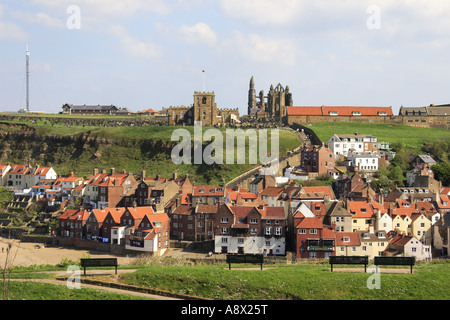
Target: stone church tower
251 97
205 108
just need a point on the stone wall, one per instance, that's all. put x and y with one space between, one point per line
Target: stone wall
415 121
293 158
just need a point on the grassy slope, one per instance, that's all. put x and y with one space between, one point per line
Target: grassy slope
307 281
413 138
139 156
44 291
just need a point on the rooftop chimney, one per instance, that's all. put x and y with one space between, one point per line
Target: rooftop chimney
113 171
174 175
95 171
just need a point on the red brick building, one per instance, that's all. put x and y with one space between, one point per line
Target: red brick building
313 239
317 159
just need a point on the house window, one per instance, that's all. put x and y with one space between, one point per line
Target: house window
224 220
224 240
313 231
253 220
301 231
224 231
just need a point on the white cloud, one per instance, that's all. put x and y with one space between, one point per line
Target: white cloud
261 49
134 46
39 18
108 8
198 33
11 31
139 48
261 11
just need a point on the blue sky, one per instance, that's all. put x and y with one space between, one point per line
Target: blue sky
150 53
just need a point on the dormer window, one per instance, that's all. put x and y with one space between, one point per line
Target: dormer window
346 239
202 190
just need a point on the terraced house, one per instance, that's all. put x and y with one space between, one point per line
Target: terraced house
136 228
313 239
253 230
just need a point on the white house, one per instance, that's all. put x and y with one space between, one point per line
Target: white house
32 176
4 168
364 161
342 144
410 246
250 230
152 235
15 178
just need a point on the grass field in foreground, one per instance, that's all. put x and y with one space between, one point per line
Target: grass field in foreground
44 291
306 281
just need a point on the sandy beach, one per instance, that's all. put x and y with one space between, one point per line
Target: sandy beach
26 254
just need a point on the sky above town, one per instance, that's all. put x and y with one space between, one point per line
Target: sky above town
142 54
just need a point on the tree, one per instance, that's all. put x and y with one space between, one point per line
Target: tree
442 173
438 149
396 175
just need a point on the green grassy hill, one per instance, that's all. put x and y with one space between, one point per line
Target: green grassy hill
304 281
82 148
412 138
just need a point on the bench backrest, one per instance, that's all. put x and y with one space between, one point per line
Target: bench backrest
394 261
349 260
101 262
245 258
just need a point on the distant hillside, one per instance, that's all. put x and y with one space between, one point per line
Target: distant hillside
412 138
82 148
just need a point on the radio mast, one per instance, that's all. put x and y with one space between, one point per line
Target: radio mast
28 80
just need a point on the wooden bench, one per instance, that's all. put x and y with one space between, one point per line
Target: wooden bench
349 260
395 261
245 258
100 262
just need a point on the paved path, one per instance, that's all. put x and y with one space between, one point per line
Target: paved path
97 287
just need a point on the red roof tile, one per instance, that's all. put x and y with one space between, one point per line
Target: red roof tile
304 111
310 223
271 192
321 189
365 111
353 239
360 209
